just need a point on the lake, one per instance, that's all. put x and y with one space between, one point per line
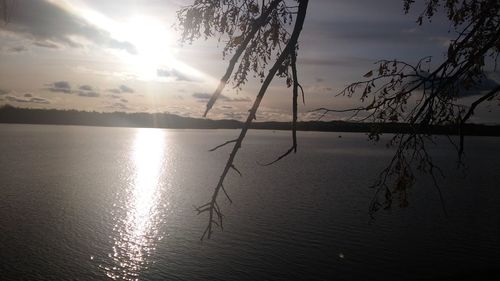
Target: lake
90 203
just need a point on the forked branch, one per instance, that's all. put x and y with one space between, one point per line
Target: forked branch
214 213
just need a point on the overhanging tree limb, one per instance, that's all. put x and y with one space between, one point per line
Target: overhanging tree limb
261 21
421 98
290 48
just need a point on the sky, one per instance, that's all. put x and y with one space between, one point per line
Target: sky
126 56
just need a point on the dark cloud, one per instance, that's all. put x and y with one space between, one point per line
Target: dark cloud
340 61
483 86
203 97
173 73
234 115
39 100
30 100
28 95
17 49
62 84
126 89
86 88
3 92
88 94
371 24
486 84
60 87
46 44
121 89
15 99
65 87
43 21
124 100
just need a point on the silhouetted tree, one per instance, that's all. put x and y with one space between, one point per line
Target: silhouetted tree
397 91
262 39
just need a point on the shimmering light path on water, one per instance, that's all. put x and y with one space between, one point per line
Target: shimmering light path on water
138 232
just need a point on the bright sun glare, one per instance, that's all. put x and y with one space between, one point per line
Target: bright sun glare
156 45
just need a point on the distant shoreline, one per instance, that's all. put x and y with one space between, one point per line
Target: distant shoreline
15 115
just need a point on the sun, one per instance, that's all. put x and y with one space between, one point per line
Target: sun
152 39
154 45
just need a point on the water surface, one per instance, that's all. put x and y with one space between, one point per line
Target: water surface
88 203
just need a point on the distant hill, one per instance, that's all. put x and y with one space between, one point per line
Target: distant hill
10 114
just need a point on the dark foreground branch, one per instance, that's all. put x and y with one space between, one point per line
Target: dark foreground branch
215 215
258 24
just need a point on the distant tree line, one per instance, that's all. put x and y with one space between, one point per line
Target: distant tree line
10 114
15 115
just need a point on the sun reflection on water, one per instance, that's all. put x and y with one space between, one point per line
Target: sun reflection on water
137 228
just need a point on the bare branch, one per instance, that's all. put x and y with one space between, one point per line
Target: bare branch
261 21
224 144
236 170
469 113
227 196
290 47
280 157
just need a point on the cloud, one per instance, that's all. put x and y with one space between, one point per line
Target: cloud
114 96
483 86
88 94
87 91
335 61
115 91
126 89
44 21
15 99
234 115
16 49
28 95
243 99
65 88
121 89
46 44
124 100
3 92
204 97
37 100
173 73
118 106
85 88
60 87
